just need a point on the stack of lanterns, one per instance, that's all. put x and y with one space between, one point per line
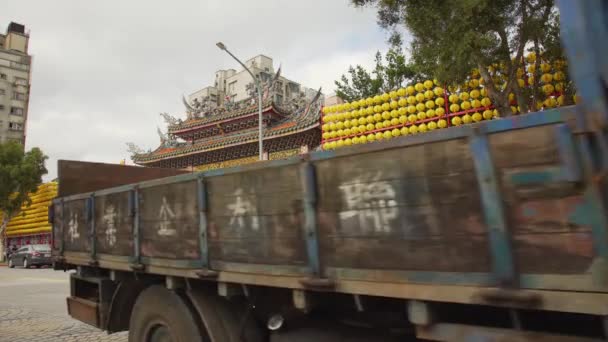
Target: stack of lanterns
410 110
426 106
470 102
33 218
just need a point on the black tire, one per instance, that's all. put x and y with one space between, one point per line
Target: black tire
162 314
225 321
26 264
10 263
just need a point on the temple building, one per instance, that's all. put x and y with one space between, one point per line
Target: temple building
220 128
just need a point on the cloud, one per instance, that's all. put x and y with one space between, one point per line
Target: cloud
102 71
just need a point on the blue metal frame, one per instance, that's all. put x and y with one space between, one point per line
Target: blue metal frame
498 234
92 227
202 210
568 171
309 185
134 210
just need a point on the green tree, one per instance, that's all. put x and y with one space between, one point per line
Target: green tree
451 38
390 72
20 174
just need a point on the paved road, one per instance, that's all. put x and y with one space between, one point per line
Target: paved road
33 309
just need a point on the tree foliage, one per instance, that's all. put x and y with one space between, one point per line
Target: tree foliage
20 174
390 72
451 38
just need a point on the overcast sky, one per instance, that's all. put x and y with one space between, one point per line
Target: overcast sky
104 70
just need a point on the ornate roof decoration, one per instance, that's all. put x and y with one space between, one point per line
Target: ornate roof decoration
210 127
305 118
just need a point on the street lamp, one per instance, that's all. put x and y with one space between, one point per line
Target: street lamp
256 81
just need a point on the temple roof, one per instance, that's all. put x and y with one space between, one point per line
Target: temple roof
211 118
301 120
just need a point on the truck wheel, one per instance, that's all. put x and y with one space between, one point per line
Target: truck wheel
225 321
160 315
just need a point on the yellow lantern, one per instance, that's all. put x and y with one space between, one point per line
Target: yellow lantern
546 78
545 67
487 114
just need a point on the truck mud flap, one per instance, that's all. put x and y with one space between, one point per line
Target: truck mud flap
84 310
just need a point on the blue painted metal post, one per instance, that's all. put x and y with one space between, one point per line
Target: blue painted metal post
500 245
202 210
92 228
309 184
584 31
62 247
134 207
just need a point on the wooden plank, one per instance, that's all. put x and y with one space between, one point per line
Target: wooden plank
464 254
547 238
169 221
77 177
524 147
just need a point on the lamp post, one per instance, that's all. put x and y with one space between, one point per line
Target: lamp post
256 81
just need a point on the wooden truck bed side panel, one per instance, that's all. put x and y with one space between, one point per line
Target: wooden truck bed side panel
414 209
544 216
498 203
168 221
113 224
256 217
